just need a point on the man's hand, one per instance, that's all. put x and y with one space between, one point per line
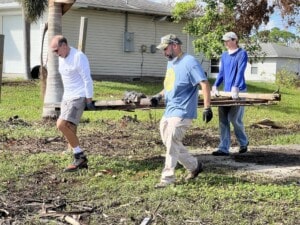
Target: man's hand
235 93
215 91
155 100
90 106
207 115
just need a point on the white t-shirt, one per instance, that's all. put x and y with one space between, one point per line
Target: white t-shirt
76 75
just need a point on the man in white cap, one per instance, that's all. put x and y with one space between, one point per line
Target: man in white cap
232 75
183 77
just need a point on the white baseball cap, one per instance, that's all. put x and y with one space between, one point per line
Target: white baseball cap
229 36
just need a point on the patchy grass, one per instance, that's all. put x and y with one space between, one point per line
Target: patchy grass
125 163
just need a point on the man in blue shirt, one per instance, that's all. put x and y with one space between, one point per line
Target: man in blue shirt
181 85
232 75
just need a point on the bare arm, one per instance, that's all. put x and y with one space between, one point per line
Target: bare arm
205 86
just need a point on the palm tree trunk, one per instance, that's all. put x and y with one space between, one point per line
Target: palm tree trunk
54 88
27 47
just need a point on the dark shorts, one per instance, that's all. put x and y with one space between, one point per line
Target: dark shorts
71 110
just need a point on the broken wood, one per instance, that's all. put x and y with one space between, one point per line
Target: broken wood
246 99
271 97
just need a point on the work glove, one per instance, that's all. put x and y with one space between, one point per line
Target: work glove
215 91
235 93
207 115
90 106
155 99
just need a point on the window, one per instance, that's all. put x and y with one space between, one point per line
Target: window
254 68
214 65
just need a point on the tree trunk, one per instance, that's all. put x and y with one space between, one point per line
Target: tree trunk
27 46
54 88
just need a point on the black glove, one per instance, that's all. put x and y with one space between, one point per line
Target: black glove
90 106
207 115
155 100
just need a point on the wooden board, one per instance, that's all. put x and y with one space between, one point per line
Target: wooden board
250 99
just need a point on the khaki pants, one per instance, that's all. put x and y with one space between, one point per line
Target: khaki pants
172 131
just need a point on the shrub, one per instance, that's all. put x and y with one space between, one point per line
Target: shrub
286 78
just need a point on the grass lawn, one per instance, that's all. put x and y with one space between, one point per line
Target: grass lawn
125 162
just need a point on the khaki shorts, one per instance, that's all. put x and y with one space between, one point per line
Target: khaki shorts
71 110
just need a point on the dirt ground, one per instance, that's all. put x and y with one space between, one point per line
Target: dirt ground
130 138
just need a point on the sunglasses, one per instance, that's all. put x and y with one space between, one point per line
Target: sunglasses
56 50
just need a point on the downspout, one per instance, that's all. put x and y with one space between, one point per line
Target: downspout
126 21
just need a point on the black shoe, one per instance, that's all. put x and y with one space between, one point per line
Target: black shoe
220 153
80 162
244 149
195 173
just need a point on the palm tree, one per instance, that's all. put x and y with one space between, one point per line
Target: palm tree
32 10
54 87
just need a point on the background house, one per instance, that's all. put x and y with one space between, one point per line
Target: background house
277 57
121 37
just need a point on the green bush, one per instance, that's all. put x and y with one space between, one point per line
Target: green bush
286 78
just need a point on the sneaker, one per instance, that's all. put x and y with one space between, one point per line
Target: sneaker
162 185
195 173
244 149
220 153
80 162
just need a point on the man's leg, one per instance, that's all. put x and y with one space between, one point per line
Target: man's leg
71 112
224 129
236 115
69 131
172 132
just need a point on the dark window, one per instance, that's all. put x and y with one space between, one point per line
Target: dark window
214 65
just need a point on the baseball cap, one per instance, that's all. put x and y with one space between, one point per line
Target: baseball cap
168 39
229 36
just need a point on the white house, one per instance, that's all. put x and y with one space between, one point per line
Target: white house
121 40
277 57
121 37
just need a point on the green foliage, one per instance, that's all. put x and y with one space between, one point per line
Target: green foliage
207 28
183 10
286 78
33 9
276 35
208 20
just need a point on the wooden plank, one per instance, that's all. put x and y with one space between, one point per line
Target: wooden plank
272 97
144 103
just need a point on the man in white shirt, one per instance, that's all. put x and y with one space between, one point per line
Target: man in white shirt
78 92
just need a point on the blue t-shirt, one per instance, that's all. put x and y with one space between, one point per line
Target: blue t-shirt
232 70
181 87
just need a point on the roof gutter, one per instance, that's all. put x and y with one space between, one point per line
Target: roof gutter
131 9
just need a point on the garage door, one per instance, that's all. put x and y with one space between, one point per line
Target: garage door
13 45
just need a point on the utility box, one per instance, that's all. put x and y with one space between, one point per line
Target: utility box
128 42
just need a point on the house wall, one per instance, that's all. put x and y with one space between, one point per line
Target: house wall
105 42
265 70
270 66
292 65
